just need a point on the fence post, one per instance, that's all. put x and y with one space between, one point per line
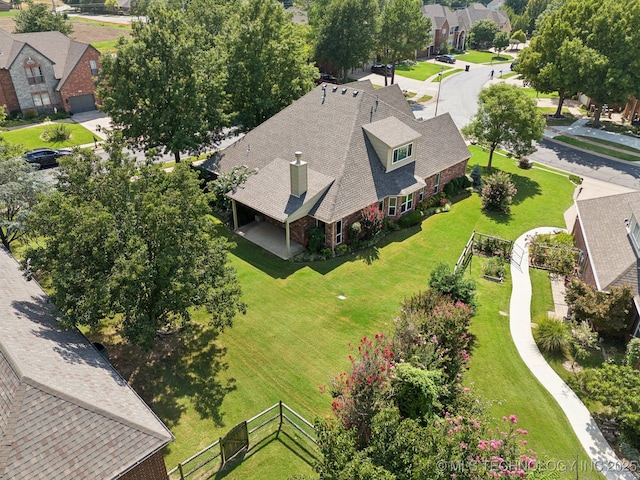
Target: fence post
221 450
181 472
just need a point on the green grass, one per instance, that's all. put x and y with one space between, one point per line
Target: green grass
478 56
620 146
29 137
533 93
446 74
107 46
425 98
420 71
597 148
101 23
9 14
508 75
296 332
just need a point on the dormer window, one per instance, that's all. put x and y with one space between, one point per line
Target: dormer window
402 152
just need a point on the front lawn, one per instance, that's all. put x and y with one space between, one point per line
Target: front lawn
29 137
301 319
481 56
533 93
420 71
589 146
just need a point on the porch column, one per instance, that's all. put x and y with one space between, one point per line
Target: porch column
288 238
235 214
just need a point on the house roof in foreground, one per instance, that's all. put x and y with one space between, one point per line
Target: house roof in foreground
327 126
64 410
611 253
64 52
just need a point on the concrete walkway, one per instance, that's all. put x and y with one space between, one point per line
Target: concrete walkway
602 455
579 128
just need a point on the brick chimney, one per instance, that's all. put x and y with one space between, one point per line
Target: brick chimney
298 175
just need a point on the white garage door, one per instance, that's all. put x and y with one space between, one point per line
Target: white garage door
82 103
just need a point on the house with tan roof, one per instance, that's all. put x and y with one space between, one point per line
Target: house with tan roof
65 412
607 231
335 152
47 71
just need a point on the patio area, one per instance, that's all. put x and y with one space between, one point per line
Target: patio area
271 238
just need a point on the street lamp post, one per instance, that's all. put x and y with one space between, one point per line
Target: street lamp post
439 85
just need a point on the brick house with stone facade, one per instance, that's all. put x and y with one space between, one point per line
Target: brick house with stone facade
336 151
46 71
65 412
607 231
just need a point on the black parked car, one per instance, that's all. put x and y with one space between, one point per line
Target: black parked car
379 68
45 157
446 58
326 78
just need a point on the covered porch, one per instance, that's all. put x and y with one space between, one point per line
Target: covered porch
270 237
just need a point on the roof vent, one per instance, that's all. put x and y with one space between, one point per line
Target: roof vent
344 90
335 88
626 222
324 86
355 93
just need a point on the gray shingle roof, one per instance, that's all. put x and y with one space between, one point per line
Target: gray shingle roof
438 14
328 130
476 12
64 411
63 52
610 250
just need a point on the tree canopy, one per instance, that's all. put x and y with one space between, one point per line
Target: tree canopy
403 31
162 88
134 244
347 33
507 117
267 62
482 33
38 18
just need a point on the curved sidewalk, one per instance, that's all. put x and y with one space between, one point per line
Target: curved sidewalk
602 456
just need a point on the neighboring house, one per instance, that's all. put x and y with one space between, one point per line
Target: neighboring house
65 413
607 231
445 29
336 151
476 12
452 28
43 71
495 4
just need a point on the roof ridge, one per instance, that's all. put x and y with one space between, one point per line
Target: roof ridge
100 411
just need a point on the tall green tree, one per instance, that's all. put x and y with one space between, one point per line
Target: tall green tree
507 117
39 18
518 6
482 33
267 62
347 33
517 38
403 31
19 191
132 243
501 41
162 89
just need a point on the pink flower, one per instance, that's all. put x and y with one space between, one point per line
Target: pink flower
513 419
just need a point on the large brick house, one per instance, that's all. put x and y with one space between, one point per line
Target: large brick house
336 151
607 231
46 71
65 413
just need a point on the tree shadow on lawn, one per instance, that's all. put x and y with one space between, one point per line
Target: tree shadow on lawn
183 364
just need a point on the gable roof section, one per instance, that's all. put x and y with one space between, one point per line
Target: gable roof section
327 127
476 12
611 253
63 52
438 15
64 411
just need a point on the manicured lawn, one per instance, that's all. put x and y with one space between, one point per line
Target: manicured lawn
597 148
296 332
531 92
29 137
446 74
107 46
420 71
101 23
478 56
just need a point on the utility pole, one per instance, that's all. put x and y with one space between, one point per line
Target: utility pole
439 85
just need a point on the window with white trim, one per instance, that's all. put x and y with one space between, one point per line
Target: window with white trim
392 206
41 99
402 152
338 232
634 230
407 203
444 31
94 67
34 75
421 194
437 186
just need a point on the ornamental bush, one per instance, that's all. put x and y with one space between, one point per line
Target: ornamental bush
372 221
58 132
498 192
553 336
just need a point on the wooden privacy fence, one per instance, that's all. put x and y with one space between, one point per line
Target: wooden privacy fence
237 440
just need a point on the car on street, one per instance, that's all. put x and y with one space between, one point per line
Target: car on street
513 65
446 58
379 68
45 157
326 78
